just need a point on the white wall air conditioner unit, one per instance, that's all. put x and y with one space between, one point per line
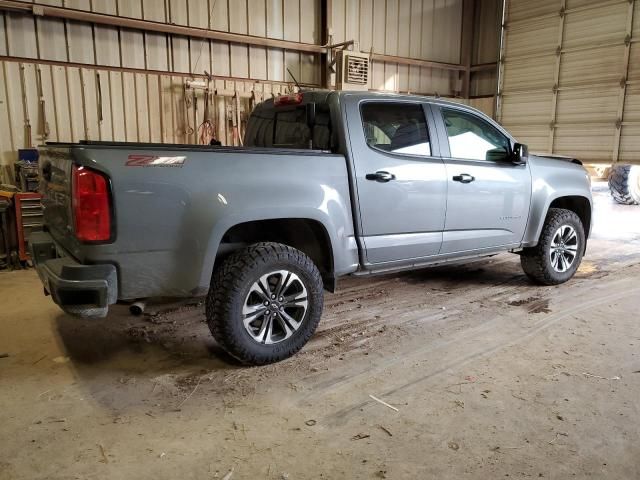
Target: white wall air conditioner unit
352 70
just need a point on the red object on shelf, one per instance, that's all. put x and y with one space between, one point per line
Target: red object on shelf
28 219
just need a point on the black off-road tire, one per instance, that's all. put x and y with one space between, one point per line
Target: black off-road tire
624 184
229 289
536 261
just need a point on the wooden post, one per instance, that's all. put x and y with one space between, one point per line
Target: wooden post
466 44
623 83
556 76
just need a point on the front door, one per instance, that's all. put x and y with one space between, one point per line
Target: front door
488 195
400 179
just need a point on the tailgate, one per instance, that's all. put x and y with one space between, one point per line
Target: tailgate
55 185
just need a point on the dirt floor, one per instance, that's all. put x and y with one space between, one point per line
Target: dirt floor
488 376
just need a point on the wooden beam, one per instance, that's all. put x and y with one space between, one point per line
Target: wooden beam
466 44
415 61
160 27
503 48
151 26
481 67
107 68
556 75
325 27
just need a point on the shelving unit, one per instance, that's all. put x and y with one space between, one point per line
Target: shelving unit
28 219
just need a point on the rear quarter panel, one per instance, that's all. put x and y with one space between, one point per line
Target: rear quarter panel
170 220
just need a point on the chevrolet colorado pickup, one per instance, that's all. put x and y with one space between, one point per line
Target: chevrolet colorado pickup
328 184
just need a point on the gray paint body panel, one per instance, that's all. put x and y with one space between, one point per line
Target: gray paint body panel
552 179
170 221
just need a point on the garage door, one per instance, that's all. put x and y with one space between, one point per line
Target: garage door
570 77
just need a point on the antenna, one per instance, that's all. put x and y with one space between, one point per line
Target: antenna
294 79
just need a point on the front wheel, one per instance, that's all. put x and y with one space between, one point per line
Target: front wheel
264 303
559 252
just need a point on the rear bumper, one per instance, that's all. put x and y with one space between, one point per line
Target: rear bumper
83 290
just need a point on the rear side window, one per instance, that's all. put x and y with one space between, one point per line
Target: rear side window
472 138
396 127
291 129
288 128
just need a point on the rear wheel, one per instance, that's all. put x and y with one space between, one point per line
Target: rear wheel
624 184
264 303
559 251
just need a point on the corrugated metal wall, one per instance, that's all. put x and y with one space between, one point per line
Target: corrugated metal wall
570 80
107 83
67 41
63 80
486 46
421 29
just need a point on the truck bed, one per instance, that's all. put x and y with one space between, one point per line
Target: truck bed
169 222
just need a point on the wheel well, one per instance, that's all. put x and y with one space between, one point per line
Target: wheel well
579 205
308 236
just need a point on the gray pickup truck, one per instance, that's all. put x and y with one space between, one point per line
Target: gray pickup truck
328 184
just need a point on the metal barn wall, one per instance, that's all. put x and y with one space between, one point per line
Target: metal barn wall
66 80
424 30
41 102
486 46
420 29
67 41
570 81
63 80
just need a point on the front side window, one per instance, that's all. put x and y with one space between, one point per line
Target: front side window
396 127
472 138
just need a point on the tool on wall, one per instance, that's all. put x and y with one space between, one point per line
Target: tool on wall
25 109
188 96
206 130
99 93
44 125
237 119
225 112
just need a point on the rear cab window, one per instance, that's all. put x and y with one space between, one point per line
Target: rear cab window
287 127
396 127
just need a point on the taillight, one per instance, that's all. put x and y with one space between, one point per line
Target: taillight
91 209
293 99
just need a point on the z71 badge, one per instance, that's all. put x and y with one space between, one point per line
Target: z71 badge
154 161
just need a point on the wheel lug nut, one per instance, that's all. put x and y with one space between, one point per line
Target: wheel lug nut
273 296
266 304
281 299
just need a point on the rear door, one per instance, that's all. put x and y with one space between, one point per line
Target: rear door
400 178
488 196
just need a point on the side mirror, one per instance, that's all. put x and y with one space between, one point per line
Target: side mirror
520 154
499 154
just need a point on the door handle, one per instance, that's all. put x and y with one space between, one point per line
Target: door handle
464 178
380 176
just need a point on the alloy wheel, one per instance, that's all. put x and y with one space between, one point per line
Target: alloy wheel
275 307
564 248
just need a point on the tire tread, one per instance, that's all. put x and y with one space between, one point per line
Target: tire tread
227 283
619 185
533 259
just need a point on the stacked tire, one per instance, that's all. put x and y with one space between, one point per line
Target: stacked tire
624 184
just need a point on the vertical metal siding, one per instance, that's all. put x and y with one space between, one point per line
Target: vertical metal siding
420 29
571 81
111 83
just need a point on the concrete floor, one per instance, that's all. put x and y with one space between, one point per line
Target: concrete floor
491 377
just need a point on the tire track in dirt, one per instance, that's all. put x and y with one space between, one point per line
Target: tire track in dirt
467 342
